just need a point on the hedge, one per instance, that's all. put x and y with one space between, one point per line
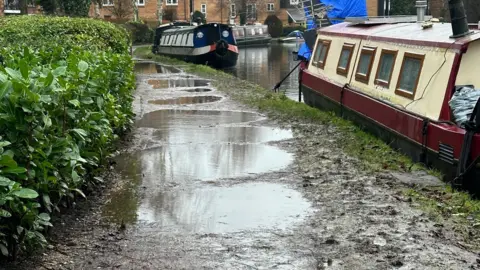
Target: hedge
45 32
62 107
141 33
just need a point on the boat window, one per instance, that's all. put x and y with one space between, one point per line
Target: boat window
190 39
162 39
167 39
179 40
385 67
321 53
364 65
409 75
345 57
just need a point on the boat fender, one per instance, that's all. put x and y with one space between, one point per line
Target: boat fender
472 126
221 47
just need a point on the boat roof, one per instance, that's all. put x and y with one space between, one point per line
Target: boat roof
188 28
408 33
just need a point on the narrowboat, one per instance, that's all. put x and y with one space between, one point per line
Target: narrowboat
212 44
248 35
410 81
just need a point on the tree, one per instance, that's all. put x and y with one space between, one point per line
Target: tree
198 17
402 7
170 14
76 8
48 6
160 11
135 11
121 8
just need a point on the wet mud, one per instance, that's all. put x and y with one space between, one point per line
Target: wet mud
153 68
177 82
186 100
218 186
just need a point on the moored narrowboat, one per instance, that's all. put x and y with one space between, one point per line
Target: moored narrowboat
211 44
410 82
249 35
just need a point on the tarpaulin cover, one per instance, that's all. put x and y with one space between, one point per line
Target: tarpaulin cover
340 9
463 102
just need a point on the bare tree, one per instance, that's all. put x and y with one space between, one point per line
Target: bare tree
160 11
121 8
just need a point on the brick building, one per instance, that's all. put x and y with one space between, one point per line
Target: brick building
439 9
11 7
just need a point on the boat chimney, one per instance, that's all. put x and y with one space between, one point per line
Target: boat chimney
421 6
459 18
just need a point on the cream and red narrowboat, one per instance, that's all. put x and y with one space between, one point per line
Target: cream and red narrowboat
399 79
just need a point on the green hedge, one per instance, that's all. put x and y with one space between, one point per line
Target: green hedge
61 110
275 26
141 33
44 31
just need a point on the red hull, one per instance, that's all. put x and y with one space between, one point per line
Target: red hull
403 123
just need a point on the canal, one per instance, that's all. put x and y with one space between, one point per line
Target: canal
268 65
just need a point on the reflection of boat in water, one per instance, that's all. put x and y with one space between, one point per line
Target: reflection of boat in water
211 44
251 34
409 82
294 36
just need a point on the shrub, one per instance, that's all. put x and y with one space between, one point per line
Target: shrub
62 107
42 31
198 17
140 32
275 26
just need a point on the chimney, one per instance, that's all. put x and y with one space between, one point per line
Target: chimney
459 18
421 6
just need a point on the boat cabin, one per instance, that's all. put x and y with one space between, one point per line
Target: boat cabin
251 34
207 43
401 79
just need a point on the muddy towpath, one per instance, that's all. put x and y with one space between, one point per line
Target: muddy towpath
208 183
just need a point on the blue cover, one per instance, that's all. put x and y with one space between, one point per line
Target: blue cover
341 9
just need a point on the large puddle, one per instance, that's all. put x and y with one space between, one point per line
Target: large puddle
222 135
152 68
186 100
177 82
214 209
193 118
197 90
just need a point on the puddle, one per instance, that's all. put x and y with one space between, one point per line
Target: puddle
174 83
195 118
152 68
222 135
196 90
183 163
186 100
224 209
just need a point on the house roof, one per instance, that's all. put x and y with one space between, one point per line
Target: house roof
297 15
410 33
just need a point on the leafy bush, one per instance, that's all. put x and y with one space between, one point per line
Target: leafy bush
42 31
275 26
198 17
62 107
288 29
141 32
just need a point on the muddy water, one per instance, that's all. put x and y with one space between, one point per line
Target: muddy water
186 100
152 68
195 90
186 178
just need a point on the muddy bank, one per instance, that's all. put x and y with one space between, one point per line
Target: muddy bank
220 186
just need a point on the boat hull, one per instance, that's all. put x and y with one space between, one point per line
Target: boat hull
206 56
355 106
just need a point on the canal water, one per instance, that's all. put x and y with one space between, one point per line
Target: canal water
268 65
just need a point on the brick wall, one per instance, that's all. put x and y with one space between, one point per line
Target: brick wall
1 7
148 11
438 8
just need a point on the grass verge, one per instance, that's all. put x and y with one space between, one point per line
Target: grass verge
374 153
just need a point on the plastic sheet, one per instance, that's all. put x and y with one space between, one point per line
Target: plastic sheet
463 102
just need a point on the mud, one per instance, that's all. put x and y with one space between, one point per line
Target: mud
219 186
186 100
175 83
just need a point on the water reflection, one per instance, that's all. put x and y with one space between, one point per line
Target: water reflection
193 118
186 100
176 135
153 68
267 66
174 83
185 163
225 209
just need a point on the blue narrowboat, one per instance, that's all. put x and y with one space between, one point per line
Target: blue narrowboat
212 44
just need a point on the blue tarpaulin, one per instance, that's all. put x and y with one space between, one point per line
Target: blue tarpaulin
340 9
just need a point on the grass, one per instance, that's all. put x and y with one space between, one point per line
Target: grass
375 154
